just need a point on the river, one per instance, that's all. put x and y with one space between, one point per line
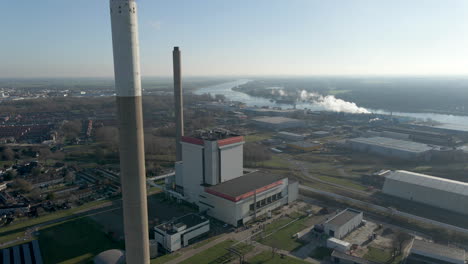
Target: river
226 89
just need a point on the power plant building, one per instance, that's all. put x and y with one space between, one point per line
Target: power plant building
391 147
211 175
438 192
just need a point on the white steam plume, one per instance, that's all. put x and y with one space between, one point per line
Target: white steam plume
331 103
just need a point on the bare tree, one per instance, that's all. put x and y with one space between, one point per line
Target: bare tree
45 154
399 240
22 185
71 129
108 136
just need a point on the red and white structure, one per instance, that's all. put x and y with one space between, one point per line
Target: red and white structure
212 176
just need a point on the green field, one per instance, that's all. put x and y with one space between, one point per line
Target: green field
215 252
165 258
275 162
380 255
75 241
283 238
342 181
256 137
267 258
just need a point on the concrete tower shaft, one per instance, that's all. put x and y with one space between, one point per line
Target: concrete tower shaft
132 157
178 102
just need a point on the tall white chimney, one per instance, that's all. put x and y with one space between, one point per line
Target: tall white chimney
132 156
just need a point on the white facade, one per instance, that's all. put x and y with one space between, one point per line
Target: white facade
242 211
173 236
343 223
192 172
207 162
439 192
337 244
232 161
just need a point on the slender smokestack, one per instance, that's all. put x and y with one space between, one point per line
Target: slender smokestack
132 155
179 104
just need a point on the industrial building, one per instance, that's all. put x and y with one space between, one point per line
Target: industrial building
391 147
24 253
242 199
431 253
290 136
343 223
278 122
211 175
181 232
439 192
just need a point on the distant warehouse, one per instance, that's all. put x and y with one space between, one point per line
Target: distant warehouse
278 122
392 147
439 192
290 136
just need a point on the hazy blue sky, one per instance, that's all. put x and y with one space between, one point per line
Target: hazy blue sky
242 37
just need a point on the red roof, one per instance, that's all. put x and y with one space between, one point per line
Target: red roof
230 140
245 195
192 140
221 142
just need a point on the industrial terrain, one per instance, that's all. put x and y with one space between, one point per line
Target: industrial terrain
60 183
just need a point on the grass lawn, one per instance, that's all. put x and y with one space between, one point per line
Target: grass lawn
283 238
165 258
342 182
206 241
256 137
215 252
75 241
377 255
275 162
266 258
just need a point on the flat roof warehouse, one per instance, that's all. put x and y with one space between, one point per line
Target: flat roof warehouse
393 144
343 217
429 181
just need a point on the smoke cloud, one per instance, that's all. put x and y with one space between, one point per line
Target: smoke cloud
331 103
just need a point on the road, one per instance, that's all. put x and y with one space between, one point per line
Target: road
295 164
385 210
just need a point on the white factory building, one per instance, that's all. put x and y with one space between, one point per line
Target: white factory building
343 223
431 253
391 147
439 192
181 231
211 175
